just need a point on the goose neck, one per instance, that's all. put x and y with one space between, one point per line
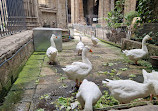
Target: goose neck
144 45
52 42
84 58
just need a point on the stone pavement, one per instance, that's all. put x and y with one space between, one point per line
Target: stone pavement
40 84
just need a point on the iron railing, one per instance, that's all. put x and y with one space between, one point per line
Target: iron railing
12 17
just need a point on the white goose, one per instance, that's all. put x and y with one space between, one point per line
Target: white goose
52 51
77 71
88 95
151 77
80 46
136 54
127 90
94 39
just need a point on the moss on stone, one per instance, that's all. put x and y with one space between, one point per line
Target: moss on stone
24 83
34 63
29 71
113 44
7 107
8 85
34 57
39 53
13 97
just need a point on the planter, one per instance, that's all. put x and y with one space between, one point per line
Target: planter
154 61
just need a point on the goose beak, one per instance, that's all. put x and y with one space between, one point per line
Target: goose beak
90 50
150 39
56 37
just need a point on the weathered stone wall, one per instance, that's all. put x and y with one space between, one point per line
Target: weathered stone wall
61 14
130 44
14 52
52 13
148 27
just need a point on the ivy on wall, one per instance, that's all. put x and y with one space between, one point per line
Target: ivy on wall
145 8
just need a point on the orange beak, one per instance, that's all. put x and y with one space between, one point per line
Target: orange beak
90 50
56 37
150 39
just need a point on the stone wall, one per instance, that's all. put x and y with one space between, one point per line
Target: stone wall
52 13
14 52
130 44
148 27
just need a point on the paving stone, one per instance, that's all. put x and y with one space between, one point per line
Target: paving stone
24 83
49 79
23 106
28 72
14 97
141 108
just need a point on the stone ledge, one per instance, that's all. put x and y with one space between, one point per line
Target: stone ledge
130 44
14 52
9 45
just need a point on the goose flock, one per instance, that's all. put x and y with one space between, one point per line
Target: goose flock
122 90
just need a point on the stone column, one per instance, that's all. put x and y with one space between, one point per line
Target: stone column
130 5
36 11
104 8
61 14
76 11
90 10
72 11
81 12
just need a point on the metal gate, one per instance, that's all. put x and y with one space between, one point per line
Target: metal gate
12 17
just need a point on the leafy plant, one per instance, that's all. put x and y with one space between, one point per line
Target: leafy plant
153 35
61 79
45 96
106 100
123 69
37 81
129 17
146 11
115 17
132 75
63 103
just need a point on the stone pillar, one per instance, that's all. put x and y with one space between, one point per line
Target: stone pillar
61 14
72 11
130 5
104 8
90 10
36 11
77 15
81 12
76 9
